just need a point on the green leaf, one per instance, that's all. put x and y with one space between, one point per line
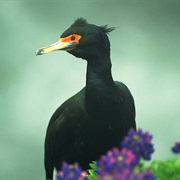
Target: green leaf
166 170
92 174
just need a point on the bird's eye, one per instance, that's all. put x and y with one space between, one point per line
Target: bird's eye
73 38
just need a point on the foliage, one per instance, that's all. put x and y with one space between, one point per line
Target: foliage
127 162
166 170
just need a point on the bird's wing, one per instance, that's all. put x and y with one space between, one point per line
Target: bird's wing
65 132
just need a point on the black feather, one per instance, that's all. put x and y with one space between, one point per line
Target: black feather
79 22
107 29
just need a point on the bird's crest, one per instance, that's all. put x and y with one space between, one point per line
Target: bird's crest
107 29
81 22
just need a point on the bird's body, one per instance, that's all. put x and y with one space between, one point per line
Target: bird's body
96 118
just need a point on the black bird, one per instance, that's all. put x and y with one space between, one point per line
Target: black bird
97 117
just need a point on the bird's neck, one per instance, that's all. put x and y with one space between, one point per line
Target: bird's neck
99 73
100 88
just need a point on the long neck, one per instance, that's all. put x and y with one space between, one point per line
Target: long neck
99 73
100 87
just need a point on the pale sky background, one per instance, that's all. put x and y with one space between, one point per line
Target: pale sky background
145 53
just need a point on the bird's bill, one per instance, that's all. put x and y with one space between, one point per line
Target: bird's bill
56 46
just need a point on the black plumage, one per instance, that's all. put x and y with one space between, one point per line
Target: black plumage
99 116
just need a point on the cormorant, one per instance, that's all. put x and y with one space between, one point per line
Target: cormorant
97 117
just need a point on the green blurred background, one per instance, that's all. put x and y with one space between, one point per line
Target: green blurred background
145 52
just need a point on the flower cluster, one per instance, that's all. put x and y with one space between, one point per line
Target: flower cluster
71 172
125 164
120 165
176 147
139 143
116 161
127 174
117 164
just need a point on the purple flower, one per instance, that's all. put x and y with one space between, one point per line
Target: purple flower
139 143
71 172
127 174
116 161
176 147
147 175
120 165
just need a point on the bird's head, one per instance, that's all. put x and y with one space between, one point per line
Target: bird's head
82 39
